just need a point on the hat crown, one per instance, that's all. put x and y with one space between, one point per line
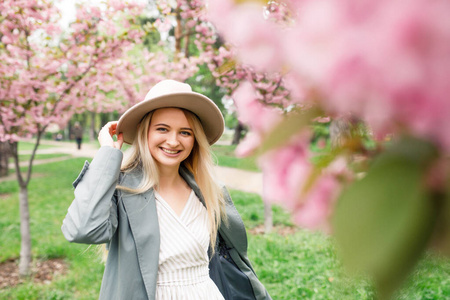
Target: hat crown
166 87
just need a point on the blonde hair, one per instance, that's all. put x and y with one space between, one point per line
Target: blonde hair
138 156
199 163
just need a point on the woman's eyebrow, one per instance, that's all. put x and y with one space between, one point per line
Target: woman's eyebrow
161 124
165 125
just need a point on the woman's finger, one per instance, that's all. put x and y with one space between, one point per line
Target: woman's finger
119 142
106 133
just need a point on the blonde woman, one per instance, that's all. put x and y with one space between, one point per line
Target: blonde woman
172 231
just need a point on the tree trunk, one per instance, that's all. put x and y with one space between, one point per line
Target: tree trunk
178 32
186 46
25 246
105 118
92 134
4 159
237 133
340 132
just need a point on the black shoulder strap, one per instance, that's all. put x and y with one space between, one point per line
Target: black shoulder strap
216 272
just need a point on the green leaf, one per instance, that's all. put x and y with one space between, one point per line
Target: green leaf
227 66
383 222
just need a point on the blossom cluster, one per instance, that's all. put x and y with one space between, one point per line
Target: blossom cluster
48 74
357 58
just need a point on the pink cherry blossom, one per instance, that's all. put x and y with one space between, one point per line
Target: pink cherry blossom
288 179
363 58
318 204
31 73
248 106
284 168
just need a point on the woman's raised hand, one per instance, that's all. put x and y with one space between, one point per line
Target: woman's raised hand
105 136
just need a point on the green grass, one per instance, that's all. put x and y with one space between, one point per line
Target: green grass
251 209
49 198
297 266
28 146
26 157
226 157
304 265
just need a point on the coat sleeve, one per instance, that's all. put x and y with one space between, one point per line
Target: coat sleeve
92 216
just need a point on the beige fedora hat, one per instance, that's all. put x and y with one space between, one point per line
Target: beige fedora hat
171 93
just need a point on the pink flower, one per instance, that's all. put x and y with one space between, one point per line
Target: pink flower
387 68
164 7
164 25
257 41
191 23
7 39
252 112
248 145
317 207
219 11
288 179
285 171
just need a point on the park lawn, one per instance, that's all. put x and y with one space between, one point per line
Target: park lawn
26 157
301 265
28 146
225 156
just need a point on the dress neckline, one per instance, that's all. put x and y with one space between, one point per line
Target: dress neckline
167 205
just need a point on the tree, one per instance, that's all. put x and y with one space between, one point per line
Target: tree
47 74
386 70
175 46
4 159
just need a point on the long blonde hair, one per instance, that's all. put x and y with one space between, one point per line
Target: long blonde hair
199 163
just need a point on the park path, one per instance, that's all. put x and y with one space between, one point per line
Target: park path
242 180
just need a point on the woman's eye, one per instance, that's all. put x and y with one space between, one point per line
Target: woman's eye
186 133
162 129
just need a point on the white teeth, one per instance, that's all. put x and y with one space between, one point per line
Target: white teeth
170 151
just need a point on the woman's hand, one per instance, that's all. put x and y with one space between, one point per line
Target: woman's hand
105 136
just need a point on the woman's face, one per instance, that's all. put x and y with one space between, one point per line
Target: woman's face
170 137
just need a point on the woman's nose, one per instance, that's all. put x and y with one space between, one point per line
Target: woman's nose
172 140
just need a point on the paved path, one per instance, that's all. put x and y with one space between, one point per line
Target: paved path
233 178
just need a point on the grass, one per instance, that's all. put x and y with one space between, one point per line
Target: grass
49 197
251 209
28 146
26 157
226 157
302 265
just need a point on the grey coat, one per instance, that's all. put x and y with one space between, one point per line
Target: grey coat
128 223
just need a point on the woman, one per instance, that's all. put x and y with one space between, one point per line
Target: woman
172 231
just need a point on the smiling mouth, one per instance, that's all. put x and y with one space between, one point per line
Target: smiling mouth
170 151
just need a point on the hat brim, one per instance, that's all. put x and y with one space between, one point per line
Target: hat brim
206 110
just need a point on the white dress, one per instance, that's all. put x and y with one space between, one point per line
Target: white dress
183 256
